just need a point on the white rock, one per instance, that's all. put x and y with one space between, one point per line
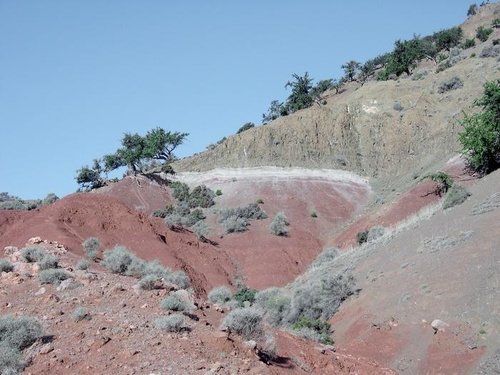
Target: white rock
439 325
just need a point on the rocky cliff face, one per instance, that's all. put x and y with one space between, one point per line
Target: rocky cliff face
378 130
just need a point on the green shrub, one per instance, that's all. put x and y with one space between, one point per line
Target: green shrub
260 201
245 127
444 181
314 329
80 313
244 294
53 276
148 282
161 212
279 225
375 233
179 278
249 212
218 192
32 254
246 322
479 139
6 266
483 33
220 295
469 43
82 265
472 10
91 247
201 196
201 230
171 323
157 269
49 199
314 214
451 84
455 196
362 237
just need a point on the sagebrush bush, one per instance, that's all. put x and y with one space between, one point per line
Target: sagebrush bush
201 196
455 196
179 278
11 360
53 276
490 51
276 305
483 33
375 233
327 255
320 297
469 43
201 230
171 323
148 282
48 261
279 225
82 265
80 313
32 254
19 332
246 322
175 303
157 269
220 295
6 266
234 224
118 259
91 247
453 83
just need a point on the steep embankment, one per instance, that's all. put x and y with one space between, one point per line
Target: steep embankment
388 130
443 265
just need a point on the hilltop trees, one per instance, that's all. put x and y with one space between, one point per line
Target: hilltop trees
481 136
351 68
136 151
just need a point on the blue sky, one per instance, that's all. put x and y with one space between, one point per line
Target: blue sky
76 75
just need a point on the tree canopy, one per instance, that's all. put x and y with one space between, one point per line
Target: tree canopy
136 150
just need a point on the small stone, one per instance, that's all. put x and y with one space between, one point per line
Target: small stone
10 250
439 325
69 284
41 291
250 344
46 349
35 240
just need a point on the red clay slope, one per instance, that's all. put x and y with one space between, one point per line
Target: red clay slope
71 220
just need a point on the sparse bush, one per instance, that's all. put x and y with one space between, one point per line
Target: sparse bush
148 282
495 23
32 254
483 33
218 192
260 201
91 246
174 303
246 322
161 212
220 295
157 269
472 10
279 225
444 181
490 51
179 278
201 196
276 305
180 191
362 237
48 261
397 106
53 276
245 127
327 255
244 294
82 265
19 332
118 260
319 298
420 74
469 43
249 212
451 84
455 196
201 230
375 233
6 266
171 323
496 42
234 224
314 214
314 329
80 313
49 199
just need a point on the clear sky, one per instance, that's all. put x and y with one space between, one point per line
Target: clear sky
76 75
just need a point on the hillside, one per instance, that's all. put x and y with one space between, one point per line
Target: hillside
382 130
